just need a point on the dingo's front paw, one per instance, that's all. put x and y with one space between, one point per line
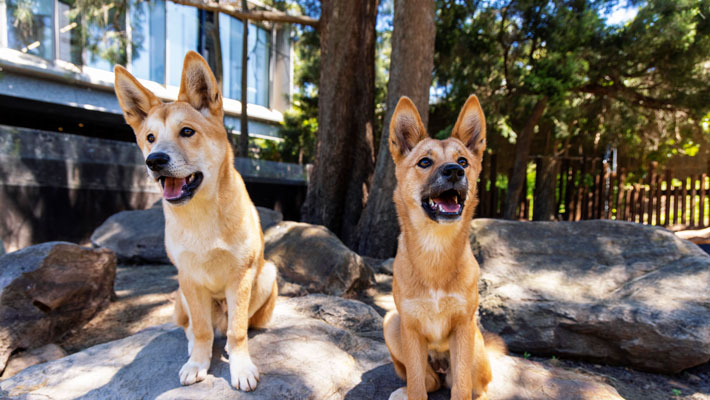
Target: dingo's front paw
193 372
244 374
399 394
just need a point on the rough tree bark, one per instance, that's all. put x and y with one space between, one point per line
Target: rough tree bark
344 159
520 165
411 65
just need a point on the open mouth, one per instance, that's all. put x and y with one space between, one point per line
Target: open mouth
445 205
179 190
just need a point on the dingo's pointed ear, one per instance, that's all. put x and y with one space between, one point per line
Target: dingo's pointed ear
470 127
199 86
135 100
406 129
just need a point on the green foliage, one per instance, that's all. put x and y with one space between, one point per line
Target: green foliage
641 86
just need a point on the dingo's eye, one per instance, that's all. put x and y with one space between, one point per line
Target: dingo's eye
424 162
150 138
462 162
187 132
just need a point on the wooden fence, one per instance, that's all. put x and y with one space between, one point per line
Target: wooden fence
586 188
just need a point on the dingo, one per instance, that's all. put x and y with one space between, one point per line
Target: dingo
433 331
212 231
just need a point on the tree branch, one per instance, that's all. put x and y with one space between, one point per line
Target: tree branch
256 15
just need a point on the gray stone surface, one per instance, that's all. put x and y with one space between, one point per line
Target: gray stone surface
138 236
2 248
314 258
316 347
48 289
25 359
605 291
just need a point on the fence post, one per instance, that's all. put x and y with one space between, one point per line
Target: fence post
492 203
669 183
701 220
693 193
684 202
657 195
620 208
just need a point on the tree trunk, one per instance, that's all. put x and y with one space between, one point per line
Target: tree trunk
411 65
244 121
545 189
520 165
344 158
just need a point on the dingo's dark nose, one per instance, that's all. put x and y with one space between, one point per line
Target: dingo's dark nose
452 172
157 161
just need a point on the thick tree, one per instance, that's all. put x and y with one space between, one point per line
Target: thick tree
344 159
411 66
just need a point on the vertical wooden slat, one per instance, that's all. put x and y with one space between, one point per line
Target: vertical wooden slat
524 212
482 191
620 195
657 203
583 190
492 201
628 202
651 179
702 201
638 204
595 192
693 193
684 202
678 204
672 199
669 183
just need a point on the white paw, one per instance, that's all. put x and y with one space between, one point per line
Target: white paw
399 394
193 372
244 374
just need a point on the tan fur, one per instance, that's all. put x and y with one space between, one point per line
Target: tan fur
214 239
435 283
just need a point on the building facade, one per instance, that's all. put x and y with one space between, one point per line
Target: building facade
67 158
60 62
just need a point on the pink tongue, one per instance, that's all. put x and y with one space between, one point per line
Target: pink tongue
447 204
173 188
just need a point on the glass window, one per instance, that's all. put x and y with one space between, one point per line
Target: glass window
182 36
259 67
258 48
30 27
69 35
106 45
230 34
148 37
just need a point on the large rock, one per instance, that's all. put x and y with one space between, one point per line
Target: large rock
606 291
48 289
314 258
138 236
316 347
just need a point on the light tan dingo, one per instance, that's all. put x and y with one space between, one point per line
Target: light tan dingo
212 231
433 333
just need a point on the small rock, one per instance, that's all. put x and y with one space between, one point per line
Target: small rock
25 359
313 257
48 289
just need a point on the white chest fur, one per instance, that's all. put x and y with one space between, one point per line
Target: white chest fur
435 313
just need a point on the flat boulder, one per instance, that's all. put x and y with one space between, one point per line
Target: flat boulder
313 258
605 291
48 289
138 236
316 347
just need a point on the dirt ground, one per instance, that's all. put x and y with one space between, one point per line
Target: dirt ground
144 298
